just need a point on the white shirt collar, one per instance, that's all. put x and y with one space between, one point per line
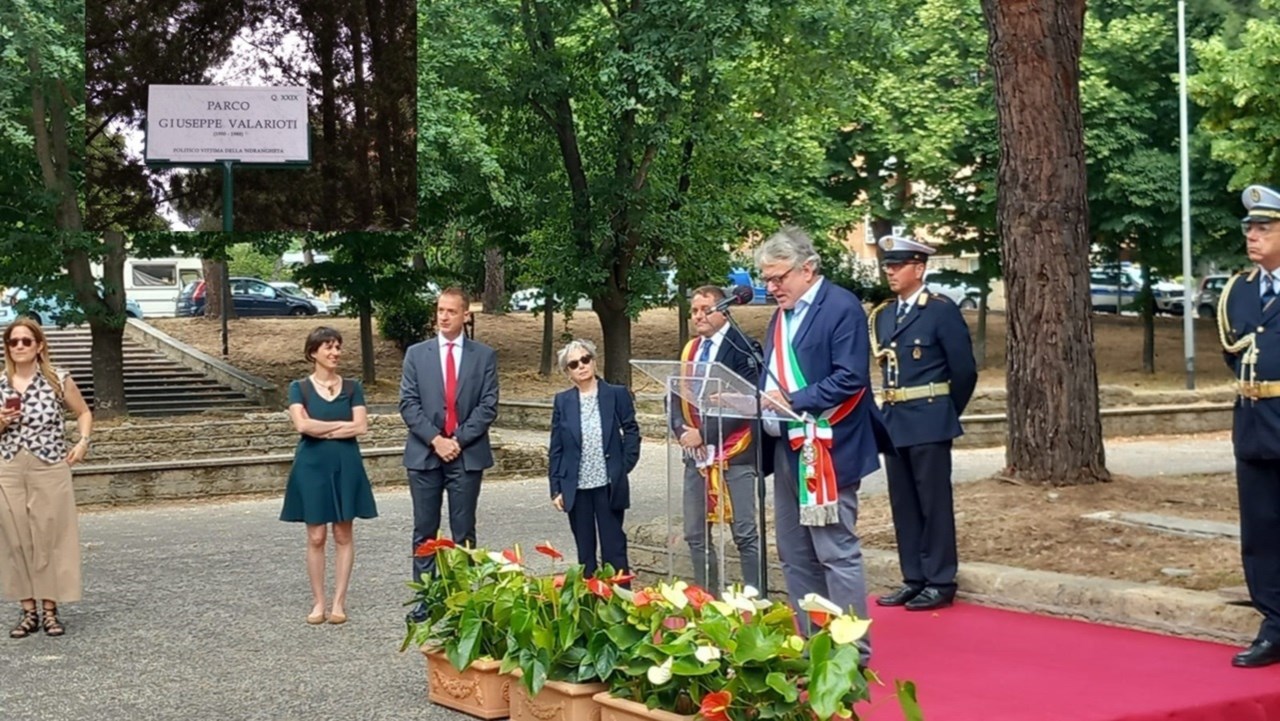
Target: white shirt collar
809 295
911 300
442 340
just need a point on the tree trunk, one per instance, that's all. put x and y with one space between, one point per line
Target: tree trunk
359 139
548 333
1148 321
330 159
383 107
106 317
369 372
494 281
682 308
213 282
1055 430
615 327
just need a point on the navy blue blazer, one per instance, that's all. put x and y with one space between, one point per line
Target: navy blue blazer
933 345
621 443
834 351
1255 431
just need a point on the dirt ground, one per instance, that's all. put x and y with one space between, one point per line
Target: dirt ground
998 522
272 348
1042 528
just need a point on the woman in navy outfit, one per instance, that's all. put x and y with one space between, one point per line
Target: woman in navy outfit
595 443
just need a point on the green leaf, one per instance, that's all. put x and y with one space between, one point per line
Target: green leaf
907 700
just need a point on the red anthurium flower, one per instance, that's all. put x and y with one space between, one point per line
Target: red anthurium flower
547 549
431 545
622 577
820 618
642 598
675 623
698 597
558 580
513 555
715 706
600 588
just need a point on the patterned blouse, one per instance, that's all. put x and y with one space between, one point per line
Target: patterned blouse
591 470
42 428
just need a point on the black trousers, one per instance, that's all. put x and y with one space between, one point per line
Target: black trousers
427 489
924 518
590 519
1258 483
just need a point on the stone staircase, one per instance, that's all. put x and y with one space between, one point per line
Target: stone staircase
153 384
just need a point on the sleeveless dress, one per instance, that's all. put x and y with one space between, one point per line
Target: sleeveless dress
327 483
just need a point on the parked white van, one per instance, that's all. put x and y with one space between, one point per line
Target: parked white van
155 282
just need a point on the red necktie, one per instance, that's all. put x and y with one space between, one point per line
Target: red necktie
450 392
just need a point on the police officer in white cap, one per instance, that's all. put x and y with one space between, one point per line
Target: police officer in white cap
922 343
1249 329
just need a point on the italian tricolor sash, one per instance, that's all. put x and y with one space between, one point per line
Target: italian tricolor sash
719 505
816 474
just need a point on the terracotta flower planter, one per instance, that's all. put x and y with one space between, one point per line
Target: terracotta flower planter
617 709
478 691
557 701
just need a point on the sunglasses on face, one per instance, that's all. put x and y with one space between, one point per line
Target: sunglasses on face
21 342
573 364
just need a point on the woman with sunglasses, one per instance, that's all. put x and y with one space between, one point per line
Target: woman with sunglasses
39 536
595 443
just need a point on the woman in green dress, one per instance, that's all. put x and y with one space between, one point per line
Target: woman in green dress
328 483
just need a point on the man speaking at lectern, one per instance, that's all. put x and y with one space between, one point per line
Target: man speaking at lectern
817 352
719 469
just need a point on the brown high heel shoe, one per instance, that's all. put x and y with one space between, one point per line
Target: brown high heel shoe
52 626
28 625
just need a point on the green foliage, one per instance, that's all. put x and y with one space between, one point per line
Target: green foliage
407 319
247 260
1237 88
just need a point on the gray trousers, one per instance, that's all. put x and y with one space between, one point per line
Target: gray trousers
740 480
826 560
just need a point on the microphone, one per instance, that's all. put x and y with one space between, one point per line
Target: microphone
740 295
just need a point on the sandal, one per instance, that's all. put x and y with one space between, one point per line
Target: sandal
52 626
29 624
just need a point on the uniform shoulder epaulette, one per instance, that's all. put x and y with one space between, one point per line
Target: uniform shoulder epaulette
935 297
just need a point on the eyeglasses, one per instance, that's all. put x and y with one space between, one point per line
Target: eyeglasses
776 279
584 360
24 342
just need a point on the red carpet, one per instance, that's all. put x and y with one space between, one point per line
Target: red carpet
972 663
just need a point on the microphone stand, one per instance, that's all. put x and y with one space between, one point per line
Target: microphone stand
757 364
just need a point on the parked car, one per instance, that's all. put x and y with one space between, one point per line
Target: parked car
298 291
47 310
962 294
249 296
1115 288
1207 296
530 299
742 276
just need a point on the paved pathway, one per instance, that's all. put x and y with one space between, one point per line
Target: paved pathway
195 611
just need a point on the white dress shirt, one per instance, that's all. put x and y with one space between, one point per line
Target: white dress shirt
789 330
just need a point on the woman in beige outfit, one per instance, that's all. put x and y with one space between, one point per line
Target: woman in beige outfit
39 538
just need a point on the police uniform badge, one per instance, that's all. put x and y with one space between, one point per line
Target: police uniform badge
916 353
1255 195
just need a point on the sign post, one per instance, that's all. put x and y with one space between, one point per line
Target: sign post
196 126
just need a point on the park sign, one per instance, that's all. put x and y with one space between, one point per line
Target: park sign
204 124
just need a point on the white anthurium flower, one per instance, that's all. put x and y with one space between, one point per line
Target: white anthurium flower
674 594
738 602
707 654
750 592
795 643
660 674
724 608
505 564
814 602
846 629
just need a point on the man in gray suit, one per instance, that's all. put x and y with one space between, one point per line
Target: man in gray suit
448 399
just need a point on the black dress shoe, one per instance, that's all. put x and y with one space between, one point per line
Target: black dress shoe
900 596
417 615
1260 653
931 598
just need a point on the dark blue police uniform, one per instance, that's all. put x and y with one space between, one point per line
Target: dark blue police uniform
1249 329
929 374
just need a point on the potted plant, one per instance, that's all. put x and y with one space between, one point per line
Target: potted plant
468 606
558 644
734 659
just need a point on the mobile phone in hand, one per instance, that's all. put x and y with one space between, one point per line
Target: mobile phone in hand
13 403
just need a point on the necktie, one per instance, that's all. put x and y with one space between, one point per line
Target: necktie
902 310
704 352
450 391
1268 290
